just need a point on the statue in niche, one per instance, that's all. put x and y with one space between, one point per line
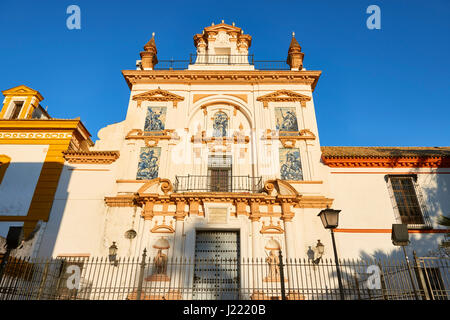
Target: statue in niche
220 124
274 265
160 262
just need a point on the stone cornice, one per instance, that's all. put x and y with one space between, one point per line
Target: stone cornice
44 129
220 77
387 162
91 157
139 199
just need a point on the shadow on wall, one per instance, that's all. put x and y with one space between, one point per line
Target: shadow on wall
27 197
435 188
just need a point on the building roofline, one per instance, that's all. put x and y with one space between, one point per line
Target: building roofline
306 77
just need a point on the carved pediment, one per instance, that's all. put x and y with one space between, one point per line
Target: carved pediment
283 96
223 27
158 95
22 90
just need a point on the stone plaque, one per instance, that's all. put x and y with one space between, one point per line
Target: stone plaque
217 215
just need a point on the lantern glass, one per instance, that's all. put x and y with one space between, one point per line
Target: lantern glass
330 218
113 249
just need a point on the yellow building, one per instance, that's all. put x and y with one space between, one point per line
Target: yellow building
31 157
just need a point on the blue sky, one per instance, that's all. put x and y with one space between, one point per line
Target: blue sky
387 87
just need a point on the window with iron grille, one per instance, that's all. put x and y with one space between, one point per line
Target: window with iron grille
219 173
407 200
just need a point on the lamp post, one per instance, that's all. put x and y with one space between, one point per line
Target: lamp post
330 220
113 254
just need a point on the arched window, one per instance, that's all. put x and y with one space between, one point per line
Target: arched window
220 124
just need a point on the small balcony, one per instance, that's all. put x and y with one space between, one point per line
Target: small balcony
222 60
218 183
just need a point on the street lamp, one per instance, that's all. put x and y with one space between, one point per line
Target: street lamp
330 220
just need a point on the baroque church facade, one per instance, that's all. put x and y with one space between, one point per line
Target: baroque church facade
220 154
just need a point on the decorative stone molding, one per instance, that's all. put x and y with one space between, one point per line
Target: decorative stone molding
91 157
279 193
198 96
211 33
165 185
295 55
387 162
271 228
152 138
237 138
163 227
149 56
283 96
120 201
158 95
221 77
35 135
289 138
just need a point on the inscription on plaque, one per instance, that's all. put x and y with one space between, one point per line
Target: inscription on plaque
217 215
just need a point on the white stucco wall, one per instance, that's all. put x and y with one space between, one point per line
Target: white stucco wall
18 184
82 223
78 213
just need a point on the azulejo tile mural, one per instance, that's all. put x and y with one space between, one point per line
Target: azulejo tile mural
148 166
290 164
220 124
285 118
155 119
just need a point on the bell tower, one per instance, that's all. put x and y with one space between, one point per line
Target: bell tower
222 47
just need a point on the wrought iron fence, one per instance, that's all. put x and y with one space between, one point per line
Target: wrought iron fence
152 278
211 183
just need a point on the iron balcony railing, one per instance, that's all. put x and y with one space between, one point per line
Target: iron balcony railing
153 278
214 183
236 60
214 59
